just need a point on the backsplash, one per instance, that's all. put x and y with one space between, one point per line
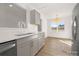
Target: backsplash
10 16
12 31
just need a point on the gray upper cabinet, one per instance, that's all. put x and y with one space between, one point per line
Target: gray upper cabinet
34 17
40 26
11 14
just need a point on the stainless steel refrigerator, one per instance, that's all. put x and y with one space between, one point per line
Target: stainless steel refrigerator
75 30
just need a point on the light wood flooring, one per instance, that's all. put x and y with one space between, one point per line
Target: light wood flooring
56 47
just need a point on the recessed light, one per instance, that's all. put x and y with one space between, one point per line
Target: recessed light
10 5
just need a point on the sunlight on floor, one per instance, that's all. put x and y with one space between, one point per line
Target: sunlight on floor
66 42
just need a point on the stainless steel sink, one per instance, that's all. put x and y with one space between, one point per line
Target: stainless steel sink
23 34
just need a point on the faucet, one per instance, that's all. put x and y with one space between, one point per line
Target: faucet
21 25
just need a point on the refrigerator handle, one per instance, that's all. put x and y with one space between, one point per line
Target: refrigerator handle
74 28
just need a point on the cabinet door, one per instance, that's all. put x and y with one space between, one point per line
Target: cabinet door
41 41
23 48
35 46
35 17
23 51
32 17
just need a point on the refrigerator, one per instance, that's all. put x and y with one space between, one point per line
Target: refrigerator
75 31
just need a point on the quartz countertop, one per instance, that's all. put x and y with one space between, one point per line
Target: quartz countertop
4 38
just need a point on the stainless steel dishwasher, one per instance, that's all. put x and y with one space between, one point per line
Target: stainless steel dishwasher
8 48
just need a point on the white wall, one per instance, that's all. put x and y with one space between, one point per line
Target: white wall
67 33
44 24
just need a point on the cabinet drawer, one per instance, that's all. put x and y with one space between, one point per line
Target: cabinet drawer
41 35
23 44
34 36
22 40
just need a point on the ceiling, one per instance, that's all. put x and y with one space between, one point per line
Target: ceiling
51 9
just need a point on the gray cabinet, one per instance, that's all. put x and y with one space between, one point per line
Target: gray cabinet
24 47
41 40
35 47
37 43
11 14
34 44
29 46
34 17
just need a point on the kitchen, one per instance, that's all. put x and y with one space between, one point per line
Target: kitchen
17 38
42 29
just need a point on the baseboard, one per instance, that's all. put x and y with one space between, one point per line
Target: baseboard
59 38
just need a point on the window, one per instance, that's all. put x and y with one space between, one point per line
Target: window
56 24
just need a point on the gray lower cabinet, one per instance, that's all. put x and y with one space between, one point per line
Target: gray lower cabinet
41 43
29 46
41 40
24 47
35 46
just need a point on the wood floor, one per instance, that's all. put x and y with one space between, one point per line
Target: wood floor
56 47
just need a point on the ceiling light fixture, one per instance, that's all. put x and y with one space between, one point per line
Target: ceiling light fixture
10 5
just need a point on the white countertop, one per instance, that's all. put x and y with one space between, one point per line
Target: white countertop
4 38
